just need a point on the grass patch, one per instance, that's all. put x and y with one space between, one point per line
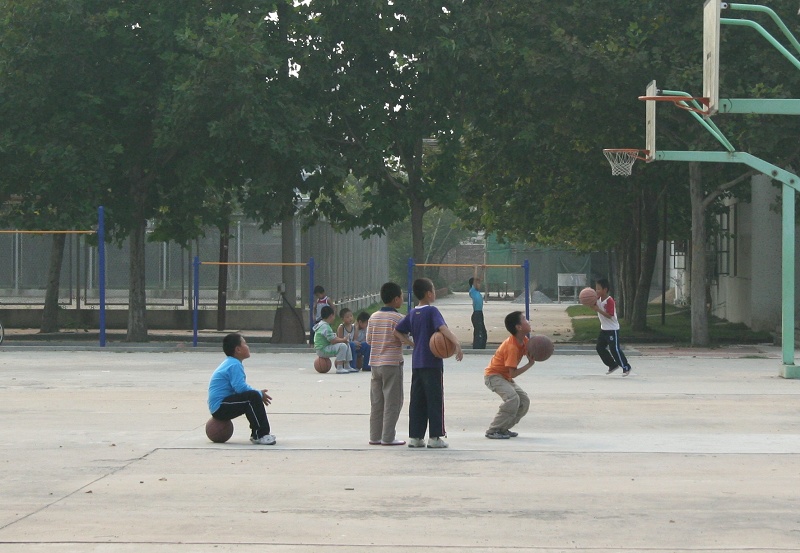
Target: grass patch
676 330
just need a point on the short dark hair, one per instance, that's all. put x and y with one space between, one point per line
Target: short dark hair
421 287
512 320
325 312
319 289
343 311
471 280
390 291
363 316
603 283
230 343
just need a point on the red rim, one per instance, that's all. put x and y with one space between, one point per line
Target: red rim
640 154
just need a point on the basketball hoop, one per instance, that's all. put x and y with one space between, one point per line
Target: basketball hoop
622 160
681 102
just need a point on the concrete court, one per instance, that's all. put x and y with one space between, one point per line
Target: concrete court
105 451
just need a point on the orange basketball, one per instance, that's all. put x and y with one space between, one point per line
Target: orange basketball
540 348
588 296
441 347
322 364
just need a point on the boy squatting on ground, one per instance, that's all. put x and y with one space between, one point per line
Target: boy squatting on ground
426 405
500 374
229 394
328 344
608 346
386 384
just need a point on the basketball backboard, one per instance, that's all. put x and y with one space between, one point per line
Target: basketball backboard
711 24
650 122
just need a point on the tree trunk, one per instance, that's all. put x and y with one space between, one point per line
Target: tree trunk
289 272
697 290
650 229
137 295
417 235
628 261
222 275
50 312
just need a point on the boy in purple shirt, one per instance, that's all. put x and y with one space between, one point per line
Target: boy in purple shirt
426 405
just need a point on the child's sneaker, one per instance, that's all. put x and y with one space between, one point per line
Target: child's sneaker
436 443
266 439
343 370
497 435
612 369
626 372
512 434
416 442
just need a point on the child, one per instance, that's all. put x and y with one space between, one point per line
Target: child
328 344
608 347
386 384
320 301
363 349
347 329
500 374
426 406
229 394
478 325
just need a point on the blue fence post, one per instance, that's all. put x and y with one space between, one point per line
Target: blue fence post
101 271
527 270
410 277
195 299
310 294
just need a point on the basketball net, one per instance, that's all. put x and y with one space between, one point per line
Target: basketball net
621 161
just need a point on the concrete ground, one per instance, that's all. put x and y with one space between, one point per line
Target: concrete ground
105 451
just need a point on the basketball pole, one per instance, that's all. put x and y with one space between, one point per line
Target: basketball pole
101 271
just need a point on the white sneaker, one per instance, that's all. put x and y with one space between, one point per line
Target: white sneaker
436 443
266 439
343 370
416 442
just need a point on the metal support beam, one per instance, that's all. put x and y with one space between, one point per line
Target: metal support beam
755 105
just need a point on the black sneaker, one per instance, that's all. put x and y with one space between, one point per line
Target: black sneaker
626 372
612 369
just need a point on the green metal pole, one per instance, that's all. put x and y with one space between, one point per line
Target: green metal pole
789 369
791 183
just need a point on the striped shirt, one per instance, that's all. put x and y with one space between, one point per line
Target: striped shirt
386 348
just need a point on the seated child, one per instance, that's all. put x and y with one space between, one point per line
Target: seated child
361 357
328 344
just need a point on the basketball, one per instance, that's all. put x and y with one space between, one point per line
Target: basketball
588 296
322 364
540 348
219 431
441 347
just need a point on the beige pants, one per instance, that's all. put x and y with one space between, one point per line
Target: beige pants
515 403
386 398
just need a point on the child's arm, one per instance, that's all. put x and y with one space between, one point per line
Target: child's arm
340 331
596 307
404 339
515 372
452 337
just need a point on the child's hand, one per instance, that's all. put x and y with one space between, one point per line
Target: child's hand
459 352
265 397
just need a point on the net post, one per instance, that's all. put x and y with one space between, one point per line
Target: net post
195 298
101 271
526 268
410 277
310 295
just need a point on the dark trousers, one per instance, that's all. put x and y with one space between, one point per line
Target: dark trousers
610 351
478 330
250 404
426 404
